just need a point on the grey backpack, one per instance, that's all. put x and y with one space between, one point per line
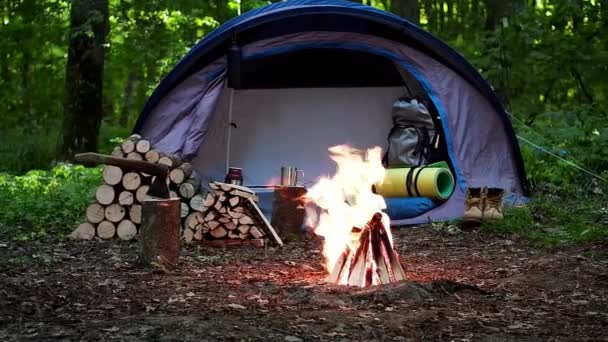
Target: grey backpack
412 141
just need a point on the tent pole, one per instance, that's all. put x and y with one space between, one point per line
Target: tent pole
229 129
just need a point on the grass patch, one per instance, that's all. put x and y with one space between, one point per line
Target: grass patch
555 219
42 203
22 150
36 199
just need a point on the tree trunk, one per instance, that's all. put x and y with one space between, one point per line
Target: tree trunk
127 104
498 9
407 9
429 12
83 101
5 76
450 19
475 15
441 19
27 10
26 77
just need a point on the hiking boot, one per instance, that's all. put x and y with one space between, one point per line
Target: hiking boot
493 204
474 202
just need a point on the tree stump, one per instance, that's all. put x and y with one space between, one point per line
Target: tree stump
159 232
288 211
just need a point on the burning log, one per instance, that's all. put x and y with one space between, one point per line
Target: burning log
374 260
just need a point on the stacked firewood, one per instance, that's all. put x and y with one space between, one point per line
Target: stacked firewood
230 212
116 211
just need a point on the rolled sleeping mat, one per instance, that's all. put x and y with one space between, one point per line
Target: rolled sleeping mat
432 182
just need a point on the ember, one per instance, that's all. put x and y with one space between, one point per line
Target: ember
358 245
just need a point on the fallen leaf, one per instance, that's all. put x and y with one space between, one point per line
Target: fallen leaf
236 306
112 329
292 339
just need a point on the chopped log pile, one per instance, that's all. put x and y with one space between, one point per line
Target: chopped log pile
228 215
229 212
116 212
374 260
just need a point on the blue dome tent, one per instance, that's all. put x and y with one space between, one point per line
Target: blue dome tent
280 84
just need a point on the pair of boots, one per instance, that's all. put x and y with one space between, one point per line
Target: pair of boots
483 204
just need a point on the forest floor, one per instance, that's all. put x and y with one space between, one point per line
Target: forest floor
470 286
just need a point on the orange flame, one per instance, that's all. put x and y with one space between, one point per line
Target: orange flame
346 200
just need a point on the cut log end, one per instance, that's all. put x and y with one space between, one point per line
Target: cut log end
131 181
142 193
126 230
142 146
95 213
112 175
105 194
106 230
218 233
85 231
152 156
135 213
135 156
126 198
115 212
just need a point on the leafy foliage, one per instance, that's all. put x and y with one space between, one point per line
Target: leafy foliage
40 203
26 150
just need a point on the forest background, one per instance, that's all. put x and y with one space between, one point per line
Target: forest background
75 74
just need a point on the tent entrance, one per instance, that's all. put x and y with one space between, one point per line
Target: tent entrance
295 105
294 127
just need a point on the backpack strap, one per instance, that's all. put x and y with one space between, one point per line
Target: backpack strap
388 139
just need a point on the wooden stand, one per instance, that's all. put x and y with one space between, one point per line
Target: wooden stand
288 211
159 234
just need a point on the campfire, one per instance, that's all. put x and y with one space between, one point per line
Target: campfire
358 245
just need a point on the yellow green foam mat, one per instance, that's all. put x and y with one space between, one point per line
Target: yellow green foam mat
432 182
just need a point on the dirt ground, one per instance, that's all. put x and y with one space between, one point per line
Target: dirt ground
466 287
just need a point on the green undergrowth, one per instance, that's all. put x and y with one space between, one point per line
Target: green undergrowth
24 149
556 218
45 203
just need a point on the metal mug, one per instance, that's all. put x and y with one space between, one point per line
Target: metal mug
289 175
